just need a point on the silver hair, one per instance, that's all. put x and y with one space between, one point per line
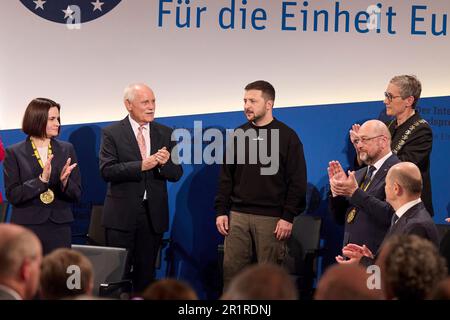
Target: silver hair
130 91
15 249
409 85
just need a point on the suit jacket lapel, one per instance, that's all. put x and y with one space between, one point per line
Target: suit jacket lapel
380 175
360 174
130 138
155 138
56 150
403 220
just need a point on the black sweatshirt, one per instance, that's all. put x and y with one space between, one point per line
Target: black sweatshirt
243 187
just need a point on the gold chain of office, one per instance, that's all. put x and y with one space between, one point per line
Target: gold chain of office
406 135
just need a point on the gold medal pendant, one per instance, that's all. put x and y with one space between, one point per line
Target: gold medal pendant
351 215
47 197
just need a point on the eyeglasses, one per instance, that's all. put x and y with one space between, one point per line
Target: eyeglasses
364 140
390 97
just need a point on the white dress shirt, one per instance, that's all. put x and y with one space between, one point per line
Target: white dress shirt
379 163
401 211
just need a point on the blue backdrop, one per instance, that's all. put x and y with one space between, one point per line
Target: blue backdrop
324 133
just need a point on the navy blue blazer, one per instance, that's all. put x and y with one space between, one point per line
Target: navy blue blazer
417 220
120 166
23 186
373 213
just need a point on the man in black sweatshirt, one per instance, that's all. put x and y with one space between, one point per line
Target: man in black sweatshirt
262 185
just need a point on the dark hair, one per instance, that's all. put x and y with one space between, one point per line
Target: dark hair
268 91
35 119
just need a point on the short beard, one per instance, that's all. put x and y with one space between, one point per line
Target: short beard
364 157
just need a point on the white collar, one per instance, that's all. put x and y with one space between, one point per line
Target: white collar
10 291
136 125
380 162
402 210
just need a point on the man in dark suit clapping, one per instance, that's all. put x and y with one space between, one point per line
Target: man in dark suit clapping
358 200
136 162
403 190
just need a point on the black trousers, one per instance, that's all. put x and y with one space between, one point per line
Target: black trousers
143 244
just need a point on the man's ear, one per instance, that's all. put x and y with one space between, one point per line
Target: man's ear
25 269
398 189
127 104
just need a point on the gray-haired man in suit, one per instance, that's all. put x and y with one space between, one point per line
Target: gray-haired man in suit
135 160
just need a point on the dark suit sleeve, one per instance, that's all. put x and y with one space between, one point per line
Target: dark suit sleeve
111 168
367 261
18 191
418 147
73 187
418 229
338 207
296 180
172 170
381 211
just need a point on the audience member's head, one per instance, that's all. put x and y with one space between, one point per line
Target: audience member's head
261 282
169 289
20 261
373 142
403 184
411 267
442 291
66 273
346 282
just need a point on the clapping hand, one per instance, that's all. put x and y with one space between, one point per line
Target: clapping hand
159 158
344 185
354 253
340 183
162 156
335 171
47 170
66 171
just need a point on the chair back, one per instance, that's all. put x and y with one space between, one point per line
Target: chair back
305 238
303 248
109 264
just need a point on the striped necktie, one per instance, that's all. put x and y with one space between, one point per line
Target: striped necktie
141 142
